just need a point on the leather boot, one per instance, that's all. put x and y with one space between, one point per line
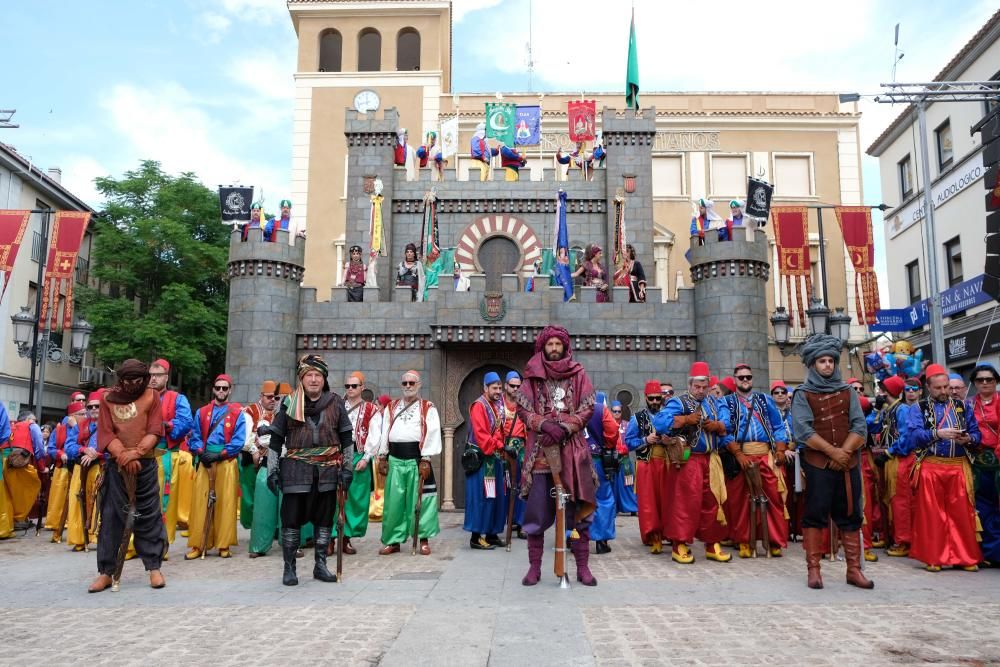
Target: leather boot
320 571
581 552
289 545
852 554
536 544
812 541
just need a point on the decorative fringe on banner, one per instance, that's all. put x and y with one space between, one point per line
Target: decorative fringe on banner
430 244
856 227
64 248
791 236
12 227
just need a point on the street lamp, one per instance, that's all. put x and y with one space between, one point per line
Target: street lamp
818 315
780 321
840 325
23 325
80 339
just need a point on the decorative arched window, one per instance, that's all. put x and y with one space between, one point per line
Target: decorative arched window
330 50
407 50
369 50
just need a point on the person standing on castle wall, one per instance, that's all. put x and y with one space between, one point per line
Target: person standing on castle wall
217 439
403 154
410 272
485 487
606 448
354 276
624 482
827 420
176 470
580 158
593 272
756 437
556 403
411 435
695 483
631 274
512 161
481 151
430 152
255 213
735 219
650 468
704 219
367 423
311 447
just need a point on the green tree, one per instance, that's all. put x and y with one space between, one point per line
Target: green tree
160 256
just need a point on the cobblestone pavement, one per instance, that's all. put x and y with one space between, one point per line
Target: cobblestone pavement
459 607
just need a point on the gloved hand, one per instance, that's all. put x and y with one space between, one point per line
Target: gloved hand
714 426
692 419
881 458
553 431
272 480
742 459
346 475
779 457
208 458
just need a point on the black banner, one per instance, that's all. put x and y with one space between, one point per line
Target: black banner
234 202
759 199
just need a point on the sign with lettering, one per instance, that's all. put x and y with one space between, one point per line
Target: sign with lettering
954 300
968 172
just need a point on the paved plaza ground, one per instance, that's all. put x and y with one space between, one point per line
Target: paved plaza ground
459 607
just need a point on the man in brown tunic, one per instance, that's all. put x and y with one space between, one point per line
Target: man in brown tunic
129 427
828 422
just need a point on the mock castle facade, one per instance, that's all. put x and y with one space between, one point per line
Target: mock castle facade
454 337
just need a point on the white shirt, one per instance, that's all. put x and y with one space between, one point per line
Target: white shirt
406 427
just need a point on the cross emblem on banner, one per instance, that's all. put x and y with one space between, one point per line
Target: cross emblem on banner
64 265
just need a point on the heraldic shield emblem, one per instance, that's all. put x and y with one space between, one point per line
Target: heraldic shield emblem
493 308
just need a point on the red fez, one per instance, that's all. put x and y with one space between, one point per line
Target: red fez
384 400
778 384
866 405
653 388
740 365
699 369
853 380
729 383
934 369
78 396
894 385
162 363
224 376
75 406
714 380
95 396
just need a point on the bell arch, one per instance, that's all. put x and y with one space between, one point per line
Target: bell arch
487 227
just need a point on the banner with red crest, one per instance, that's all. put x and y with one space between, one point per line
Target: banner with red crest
856 226
791 236
582 115
64 248
12 227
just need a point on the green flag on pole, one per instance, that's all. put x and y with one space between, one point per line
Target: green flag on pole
501 119
632 75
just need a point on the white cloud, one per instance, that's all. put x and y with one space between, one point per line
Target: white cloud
79 172
214 25
461 8
268 75
168 124
257 11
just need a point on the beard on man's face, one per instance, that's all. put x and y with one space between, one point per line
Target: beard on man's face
553 356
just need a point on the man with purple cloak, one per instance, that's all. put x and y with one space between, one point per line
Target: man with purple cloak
555 403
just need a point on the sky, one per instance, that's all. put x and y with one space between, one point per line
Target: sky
206 85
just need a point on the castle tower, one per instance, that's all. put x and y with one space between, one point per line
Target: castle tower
263 311
628 139
730 302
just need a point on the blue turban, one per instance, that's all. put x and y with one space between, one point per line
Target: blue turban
513 375
616 404
490 378
955 376
601 398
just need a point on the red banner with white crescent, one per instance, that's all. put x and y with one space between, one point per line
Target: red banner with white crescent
582 115
791 236
856 226
64 247
12 227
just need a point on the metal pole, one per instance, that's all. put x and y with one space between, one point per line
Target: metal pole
43 256
822 254
930 243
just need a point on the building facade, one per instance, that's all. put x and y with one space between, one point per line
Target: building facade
956 169
25 186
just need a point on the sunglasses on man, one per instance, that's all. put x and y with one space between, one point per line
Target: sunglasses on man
220 387
985 379
351 386
408 383
95 406
744 378
779 391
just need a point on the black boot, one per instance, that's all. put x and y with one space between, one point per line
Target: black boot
289 545
603 547
320 570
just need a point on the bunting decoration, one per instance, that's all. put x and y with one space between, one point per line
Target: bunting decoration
430 245
12 227
856 226
791 236
64 248
582 115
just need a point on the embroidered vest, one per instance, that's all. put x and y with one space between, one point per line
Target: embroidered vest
303 435
831 421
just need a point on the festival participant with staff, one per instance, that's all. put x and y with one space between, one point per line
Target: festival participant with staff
650 469
82 447
485 487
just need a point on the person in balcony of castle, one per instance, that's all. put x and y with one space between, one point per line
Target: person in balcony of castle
511 161
430 153
255 214
404 155
354 276
462 282
481 151
704 219
593 272
533 283
284 222
631 274
735 219
581 158
410 273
